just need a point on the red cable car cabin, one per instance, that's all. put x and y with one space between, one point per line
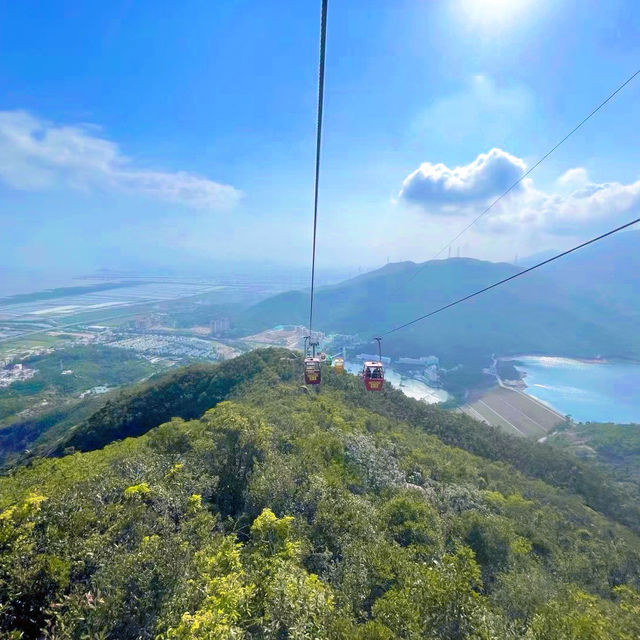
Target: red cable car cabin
373 375
312 371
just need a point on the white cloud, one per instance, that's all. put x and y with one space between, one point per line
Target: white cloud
434 186
584 210
36 155
574 178
579 206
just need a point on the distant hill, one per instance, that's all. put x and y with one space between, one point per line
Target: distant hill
586 304
534 258
186 393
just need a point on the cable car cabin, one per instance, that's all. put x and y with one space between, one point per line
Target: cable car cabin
338 365
373 376
312 371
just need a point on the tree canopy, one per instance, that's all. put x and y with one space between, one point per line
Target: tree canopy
279 513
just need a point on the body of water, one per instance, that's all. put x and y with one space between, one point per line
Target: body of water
587 391
409 386
13 282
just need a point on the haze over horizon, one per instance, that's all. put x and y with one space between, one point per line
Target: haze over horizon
137 139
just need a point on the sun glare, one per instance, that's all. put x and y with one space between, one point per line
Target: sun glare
493 12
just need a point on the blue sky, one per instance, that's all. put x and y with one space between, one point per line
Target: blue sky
136 134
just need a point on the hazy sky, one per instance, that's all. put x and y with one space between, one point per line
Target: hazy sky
150 133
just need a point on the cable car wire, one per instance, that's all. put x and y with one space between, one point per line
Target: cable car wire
523 176
323 40
513 277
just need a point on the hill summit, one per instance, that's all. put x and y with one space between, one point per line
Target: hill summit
585 305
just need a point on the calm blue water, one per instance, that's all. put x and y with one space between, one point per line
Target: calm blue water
597 392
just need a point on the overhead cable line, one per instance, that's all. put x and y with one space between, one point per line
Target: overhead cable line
523 176
513 277
323 39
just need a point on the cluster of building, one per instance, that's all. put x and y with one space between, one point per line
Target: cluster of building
95 391
424 368
16 373
422 361
219 326
167 346
372 357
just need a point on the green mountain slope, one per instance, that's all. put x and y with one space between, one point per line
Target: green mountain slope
46 405
289 514
585 305
616 446
188 392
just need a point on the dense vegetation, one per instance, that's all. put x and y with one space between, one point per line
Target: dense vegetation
289 514
576 307
188 392
26 436
31 408
616 446
507 370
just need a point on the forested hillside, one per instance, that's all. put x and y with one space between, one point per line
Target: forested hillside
617 446
583 306
280 513
51 401
188 392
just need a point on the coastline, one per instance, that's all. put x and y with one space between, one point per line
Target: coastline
546 404
520 386
595 360
588 389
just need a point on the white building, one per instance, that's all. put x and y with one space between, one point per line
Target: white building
423 361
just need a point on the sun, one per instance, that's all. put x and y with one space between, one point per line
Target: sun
494 4
492 12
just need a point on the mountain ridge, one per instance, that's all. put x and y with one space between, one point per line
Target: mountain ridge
188 392
551 311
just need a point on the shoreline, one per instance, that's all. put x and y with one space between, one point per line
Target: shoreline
402 383
521 389
596 360
570 388
545 404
